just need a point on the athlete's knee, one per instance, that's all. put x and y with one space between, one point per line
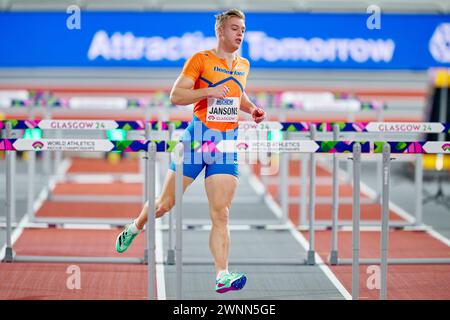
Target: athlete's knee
220 215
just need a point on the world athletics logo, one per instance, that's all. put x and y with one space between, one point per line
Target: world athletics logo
446 147
242 146
37 145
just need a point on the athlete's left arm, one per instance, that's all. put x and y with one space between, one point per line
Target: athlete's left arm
257 113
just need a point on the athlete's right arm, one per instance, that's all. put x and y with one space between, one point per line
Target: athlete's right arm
183 93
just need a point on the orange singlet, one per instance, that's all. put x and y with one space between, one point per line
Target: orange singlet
206 69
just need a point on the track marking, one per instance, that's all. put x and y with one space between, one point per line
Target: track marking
438 236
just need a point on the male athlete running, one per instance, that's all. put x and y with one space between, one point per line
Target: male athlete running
214 81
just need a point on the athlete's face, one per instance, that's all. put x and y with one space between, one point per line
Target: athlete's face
231 34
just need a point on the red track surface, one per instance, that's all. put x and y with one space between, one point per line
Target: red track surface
402 244
116 188
295 170
411 282
321 191
48 280
89 210
323 212
94 165
74 242
36 281
404 281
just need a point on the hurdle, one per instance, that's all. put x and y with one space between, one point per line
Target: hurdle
285 127
401 147
418 176
364 128
95 145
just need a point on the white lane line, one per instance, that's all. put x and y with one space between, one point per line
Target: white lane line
37 204
438 236
275 208
159 250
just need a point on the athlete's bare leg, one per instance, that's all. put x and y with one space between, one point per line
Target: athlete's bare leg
220 189
165 201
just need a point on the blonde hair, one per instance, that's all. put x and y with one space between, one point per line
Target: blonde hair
221 18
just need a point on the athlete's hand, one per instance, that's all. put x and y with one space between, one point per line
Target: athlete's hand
258 115
218 92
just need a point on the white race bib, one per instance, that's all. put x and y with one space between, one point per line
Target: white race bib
223 110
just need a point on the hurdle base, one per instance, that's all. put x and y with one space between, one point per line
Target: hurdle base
311 260
9 255
328 224
97 221
170 259
333 257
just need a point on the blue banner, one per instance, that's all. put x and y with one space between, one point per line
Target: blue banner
272 40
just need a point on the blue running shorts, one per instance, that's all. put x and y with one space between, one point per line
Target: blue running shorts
215 162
